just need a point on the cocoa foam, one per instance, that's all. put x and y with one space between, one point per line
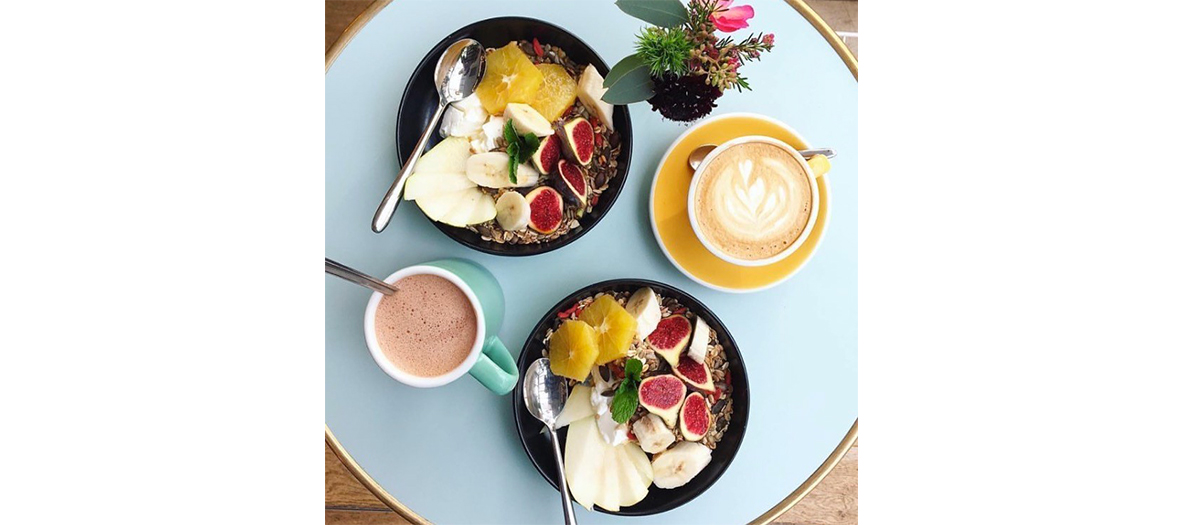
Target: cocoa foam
428 327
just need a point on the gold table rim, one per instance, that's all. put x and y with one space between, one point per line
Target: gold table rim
778 510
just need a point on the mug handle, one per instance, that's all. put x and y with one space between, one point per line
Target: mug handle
495 369
819 164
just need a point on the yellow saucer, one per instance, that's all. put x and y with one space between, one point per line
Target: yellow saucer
669 208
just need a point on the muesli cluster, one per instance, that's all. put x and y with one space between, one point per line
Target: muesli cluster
649 377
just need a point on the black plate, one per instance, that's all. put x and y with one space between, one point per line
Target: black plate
536 442
421 99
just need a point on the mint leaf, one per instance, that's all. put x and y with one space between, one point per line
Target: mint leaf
623 406
510 133
626 400
513 142
528 145
513 160
633 368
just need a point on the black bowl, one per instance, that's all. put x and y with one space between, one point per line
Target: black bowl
658 500
421 99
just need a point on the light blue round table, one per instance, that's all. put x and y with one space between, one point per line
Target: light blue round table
451 454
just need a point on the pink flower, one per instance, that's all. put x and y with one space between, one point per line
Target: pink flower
729 18
768 39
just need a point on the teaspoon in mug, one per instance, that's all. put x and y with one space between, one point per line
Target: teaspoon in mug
698 155
355 277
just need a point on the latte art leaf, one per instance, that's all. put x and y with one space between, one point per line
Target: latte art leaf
753 200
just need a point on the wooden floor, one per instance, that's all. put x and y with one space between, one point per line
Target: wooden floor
833 502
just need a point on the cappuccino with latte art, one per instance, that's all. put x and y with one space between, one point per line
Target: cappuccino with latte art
753 200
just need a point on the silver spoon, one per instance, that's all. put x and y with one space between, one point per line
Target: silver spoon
698 155
544 396
455 76
355 277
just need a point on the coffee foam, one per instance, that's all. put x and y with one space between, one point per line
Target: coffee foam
428 327
753 201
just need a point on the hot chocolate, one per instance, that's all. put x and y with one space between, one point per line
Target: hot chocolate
428 327
753 201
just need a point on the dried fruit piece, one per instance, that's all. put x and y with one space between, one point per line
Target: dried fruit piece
695 374
694 417
573 347
544 209
509 77
670 337
557 91
547 154
616 328
577 139
662 395
571 182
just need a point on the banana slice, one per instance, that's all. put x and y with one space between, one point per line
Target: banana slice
700 341
653 435
490 170
644 306
512 211
679 464
527 120
590 92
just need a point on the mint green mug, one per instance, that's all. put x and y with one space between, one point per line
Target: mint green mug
489 361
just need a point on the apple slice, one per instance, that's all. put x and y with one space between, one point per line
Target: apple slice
448 156
484 210
577 406
609 493
584 449
463 209
421 185
439 205
632 485
641 461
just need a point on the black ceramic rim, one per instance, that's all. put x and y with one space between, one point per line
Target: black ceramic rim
675 497
606 199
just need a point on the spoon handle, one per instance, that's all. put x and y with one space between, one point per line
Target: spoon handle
827 152
355 277
566 504
394 195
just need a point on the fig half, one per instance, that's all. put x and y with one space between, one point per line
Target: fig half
670 337
547 155
577 138
694 417
544 209
661 395
695 374
571 182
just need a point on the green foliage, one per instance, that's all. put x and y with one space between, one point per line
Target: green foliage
519 149
626 399
665 50
663 13
629 81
